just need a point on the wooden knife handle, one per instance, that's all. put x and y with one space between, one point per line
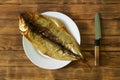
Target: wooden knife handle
96 55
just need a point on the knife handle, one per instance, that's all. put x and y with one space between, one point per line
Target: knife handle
96 55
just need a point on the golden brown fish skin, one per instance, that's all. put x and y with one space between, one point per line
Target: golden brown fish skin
35 27
49 48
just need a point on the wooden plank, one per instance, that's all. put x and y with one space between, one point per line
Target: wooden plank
105 40
18 8
10 42
85 74
14 58
9 1
110 47
12 11
18 58
86 27
75 11
99 1
108 43
24 73
73 1
35 73
109 27
59 2
9 27
107 59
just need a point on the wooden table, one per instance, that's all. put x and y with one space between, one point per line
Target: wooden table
14 65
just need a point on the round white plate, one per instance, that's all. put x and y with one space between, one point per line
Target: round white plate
38 58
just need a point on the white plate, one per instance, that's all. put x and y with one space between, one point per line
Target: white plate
38 58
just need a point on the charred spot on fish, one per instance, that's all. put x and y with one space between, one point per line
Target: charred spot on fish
42 30
49 35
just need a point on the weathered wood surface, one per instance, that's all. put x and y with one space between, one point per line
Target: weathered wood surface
60 2
14 65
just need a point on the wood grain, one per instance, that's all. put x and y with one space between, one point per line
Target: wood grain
16 73
86 27
60 2
10 42
15 65
75 11
108 43
19 59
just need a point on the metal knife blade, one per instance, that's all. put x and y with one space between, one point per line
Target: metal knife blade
97 27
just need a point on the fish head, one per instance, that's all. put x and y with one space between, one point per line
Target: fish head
26 21
22 24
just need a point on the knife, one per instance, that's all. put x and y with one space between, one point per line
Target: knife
97 38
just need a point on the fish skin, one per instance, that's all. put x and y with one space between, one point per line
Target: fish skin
44 30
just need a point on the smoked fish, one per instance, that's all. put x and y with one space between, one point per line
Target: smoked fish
49 36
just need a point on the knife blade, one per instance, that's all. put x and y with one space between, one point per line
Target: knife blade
97 38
